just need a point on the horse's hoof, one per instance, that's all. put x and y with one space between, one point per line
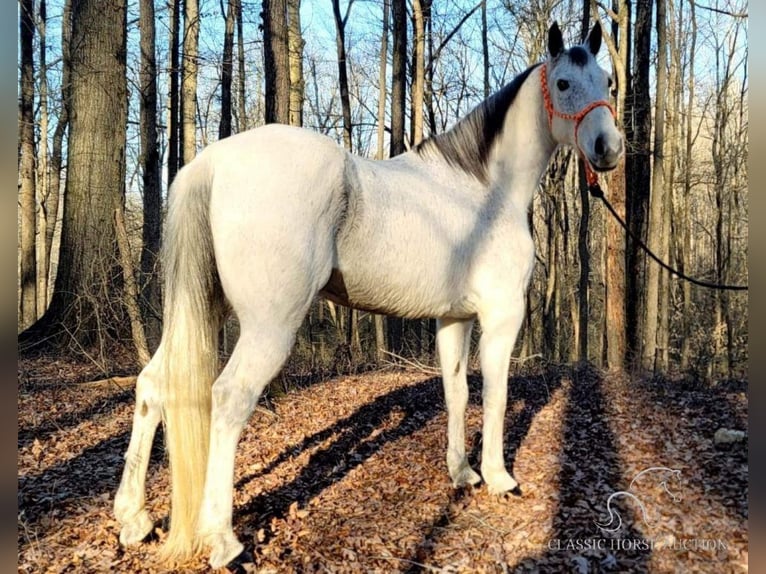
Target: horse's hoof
466 476
224 547
500 482
136 529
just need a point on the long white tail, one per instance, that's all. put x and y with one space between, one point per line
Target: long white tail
192 317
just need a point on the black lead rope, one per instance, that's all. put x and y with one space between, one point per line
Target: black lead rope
596 191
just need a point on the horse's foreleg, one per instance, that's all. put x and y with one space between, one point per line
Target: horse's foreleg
499 331
453 340
129 502
254 362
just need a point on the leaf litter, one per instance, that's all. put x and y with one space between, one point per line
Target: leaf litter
349 475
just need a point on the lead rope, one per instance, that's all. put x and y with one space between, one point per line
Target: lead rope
591 177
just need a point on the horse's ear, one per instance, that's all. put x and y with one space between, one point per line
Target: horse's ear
555 40
594 39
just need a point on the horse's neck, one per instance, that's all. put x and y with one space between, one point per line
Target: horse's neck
525 146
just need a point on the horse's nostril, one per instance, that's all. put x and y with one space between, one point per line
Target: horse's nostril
599 146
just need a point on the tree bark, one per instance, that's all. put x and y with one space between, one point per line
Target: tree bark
418 71
131 289
657 199
27 199
340 44
227 70
84 310
382 76
44 214
150 289
189 82
638 173
174 95
686 319
398 75
55 193
276 61
615 324
295 54
242 104
398 98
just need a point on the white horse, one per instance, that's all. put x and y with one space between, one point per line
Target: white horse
264 221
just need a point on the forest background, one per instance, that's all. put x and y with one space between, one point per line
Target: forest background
112 101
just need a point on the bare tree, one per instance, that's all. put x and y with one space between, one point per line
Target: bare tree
241 103
54 181
340 43
189 82
83 306
227 69
418 71
27 202
276 61
615 330
150 163
295 55
43 187
174 94
638 128
398 98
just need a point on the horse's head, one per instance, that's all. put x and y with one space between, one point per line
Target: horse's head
576 92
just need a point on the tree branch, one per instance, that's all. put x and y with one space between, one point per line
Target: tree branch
724 12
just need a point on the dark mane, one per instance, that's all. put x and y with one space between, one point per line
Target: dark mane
468 143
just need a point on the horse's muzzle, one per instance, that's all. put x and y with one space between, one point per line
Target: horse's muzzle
606 152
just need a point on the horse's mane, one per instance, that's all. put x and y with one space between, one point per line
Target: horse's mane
468 143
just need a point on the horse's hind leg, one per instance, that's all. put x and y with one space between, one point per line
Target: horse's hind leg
129 502
259 354
453 340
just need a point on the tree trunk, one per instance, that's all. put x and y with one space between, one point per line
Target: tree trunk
380 333
55 192
189 82
418 72
45 218
83 309
276 61
131 289
398 98
615 324
398 75
174 95
227 71
583 250
340 44
657 199
638 172
380 154
242 104
27 200
686 315
150 289
295 55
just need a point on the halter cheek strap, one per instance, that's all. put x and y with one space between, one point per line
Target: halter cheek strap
590 175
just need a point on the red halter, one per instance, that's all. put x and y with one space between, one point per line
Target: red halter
590 176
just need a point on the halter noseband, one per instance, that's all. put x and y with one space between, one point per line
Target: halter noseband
590 175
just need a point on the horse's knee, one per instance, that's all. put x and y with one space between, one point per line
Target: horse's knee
233 400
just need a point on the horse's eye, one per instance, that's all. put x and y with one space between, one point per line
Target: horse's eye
562 85
610 81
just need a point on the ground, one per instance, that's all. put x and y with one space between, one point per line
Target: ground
349 475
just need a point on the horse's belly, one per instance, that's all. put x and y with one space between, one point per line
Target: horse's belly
396 296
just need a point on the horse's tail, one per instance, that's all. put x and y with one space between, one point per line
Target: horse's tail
192 317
